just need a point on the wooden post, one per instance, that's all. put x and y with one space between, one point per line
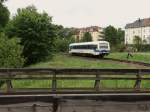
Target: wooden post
137 85
34 108
9 86
97 83
54 82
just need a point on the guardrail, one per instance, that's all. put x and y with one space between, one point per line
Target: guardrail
96 77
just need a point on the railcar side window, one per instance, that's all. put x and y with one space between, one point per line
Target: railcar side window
83 47
92 46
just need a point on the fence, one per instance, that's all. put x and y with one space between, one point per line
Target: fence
79 80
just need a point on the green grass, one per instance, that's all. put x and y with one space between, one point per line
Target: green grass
78 83
141 57
65 61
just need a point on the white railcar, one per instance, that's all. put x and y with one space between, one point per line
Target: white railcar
98 48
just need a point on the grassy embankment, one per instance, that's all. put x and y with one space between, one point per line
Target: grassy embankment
63 61
141 57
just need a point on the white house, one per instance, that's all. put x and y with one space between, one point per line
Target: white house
139 28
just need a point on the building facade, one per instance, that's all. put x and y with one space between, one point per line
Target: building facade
139 28
95 31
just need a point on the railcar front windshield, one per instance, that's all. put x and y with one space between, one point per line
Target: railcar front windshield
103 45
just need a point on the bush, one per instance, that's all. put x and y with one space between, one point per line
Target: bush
137 43
145 48
35 32
62 45
10 53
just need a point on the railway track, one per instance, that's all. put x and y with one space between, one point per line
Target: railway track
115 60
127 61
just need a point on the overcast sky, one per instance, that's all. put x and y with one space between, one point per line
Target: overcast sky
82 13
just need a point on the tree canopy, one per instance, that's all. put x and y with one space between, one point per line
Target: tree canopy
110 34
35 31
87 37
1 1
4 15
64 38
115 37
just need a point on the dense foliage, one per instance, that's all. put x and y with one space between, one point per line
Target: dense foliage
145 48
64 38
35 32
115 37
1 1
87 37
4 15
10 52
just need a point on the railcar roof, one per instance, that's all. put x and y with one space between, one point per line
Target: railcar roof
84 43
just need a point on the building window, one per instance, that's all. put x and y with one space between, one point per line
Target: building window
133 32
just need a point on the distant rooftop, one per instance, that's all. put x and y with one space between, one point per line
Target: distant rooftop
139 23
88 29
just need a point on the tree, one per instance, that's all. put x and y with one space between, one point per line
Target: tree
110 35
62 45
120 35
87 37
1 1
115 37
36 33
64 38
4 15
10 52
137 41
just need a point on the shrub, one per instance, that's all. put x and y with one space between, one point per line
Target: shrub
137 43
62 45
10 52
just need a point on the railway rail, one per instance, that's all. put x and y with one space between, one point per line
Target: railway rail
116 60
127 61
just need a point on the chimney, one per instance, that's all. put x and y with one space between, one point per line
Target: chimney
139 20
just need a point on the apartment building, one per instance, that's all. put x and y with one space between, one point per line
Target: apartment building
141 28
95 31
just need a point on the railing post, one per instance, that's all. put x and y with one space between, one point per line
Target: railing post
54 82
97 83
9 86
8 82
137 85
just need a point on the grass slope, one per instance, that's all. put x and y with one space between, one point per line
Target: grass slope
64 61
141 57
